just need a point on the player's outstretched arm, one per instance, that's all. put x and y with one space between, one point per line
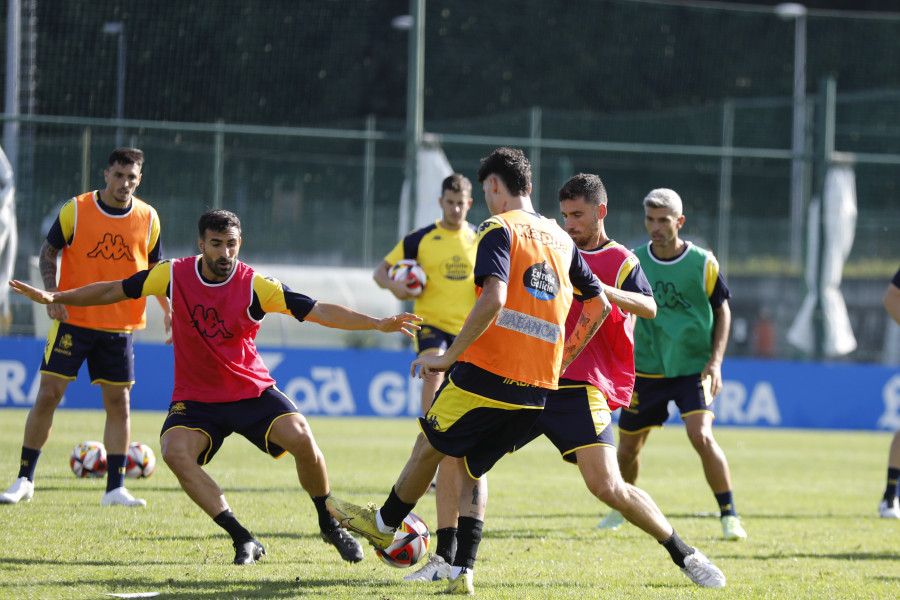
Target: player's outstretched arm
341 317
93 294
632 302
489 303
592 316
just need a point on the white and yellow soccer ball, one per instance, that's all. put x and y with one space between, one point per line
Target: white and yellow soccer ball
410 543
88 459
411 272
140 461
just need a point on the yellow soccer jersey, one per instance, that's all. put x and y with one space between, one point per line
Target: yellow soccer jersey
448 258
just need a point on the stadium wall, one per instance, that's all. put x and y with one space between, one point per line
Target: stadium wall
376 383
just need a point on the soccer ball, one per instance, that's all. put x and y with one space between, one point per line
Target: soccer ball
411 272
140 461
409 545
88 459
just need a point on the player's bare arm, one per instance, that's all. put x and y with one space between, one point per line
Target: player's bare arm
166 306
492 299
892 302
721 327
47 266
93 294
592 316
384 281
632 302
341 317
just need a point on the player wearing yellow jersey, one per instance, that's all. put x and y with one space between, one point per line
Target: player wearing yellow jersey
446 251
103 234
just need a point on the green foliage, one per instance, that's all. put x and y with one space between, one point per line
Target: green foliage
808 500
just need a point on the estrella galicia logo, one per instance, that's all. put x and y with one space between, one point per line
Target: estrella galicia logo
208 323
666 295
112 248
456 269
541 281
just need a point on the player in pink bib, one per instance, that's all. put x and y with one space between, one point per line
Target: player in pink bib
221 383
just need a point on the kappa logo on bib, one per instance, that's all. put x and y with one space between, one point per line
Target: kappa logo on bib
541 281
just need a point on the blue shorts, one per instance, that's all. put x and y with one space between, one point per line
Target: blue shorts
480 416
650 401
252 418
575 416
429 338
109 354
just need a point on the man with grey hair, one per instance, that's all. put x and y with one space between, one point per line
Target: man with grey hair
678 355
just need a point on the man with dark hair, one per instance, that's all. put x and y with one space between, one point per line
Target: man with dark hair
103 234
507 356
221 383
446 252
577 417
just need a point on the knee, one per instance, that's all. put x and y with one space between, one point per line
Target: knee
176 456
702 440
606 491
118 404
301 444
47 399
627 453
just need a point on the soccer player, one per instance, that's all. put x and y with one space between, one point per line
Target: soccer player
103 234
889 508
678 355
577 415
446 251
221 383
507 356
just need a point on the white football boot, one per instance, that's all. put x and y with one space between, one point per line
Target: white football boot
434 570
21 489
121 496
702 572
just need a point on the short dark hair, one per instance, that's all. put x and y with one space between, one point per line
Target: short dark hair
218 219
126 156
584 184
456 183
511 166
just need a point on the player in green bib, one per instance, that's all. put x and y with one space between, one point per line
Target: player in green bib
678 355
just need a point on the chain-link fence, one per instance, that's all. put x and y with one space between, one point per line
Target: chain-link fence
291 114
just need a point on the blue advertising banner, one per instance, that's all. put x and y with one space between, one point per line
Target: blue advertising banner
377 383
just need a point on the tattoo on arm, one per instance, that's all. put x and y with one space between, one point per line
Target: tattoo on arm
47 265
577 341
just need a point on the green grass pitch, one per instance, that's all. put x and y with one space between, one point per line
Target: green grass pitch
808 500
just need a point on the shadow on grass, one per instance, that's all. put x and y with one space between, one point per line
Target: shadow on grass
289 588
821 555
296 587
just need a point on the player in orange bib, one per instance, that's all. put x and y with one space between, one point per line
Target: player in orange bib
500 367
446 251
104 234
